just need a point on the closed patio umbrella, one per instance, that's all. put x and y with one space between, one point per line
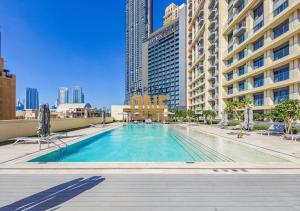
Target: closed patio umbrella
44 121
248 119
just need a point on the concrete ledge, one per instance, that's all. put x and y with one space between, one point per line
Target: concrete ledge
18 128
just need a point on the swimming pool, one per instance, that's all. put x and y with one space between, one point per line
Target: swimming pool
156 143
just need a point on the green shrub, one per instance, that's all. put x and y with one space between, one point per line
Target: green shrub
233 123
261 127
215 122
296 130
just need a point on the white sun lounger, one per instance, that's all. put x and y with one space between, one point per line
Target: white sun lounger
40 140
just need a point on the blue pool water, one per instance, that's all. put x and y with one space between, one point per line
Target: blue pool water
155 143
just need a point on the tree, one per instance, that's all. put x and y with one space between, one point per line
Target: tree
209 115
236 109
191 114
288 111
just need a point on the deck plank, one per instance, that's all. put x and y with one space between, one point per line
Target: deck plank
214 192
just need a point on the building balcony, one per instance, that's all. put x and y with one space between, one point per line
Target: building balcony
213 24
212 36
237 3
212 4
212 68
213 13
241 28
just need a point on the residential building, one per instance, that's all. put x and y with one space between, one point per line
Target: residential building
263 52
164 57
76 110
32 99
255 54
204 68
78 96
63 96
7 92
138 27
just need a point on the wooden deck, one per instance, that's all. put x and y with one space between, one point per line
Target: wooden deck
150 192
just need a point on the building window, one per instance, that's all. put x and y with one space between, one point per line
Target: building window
242 86
259 62
258 44
229 62
258 81
281 29
230 90
281 95
281 51
242 38
242 54
281 7
282 73
242 70
258 99
258 26
258 11
230 76
257 14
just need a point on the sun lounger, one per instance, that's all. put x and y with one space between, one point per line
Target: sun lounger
276 129
40 140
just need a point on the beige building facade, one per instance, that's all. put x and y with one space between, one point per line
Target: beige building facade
7 93
242 49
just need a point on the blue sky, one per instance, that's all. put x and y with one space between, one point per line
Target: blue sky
54 43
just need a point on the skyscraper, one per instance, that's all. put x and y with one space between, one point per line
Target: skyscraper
63 95
78 96
138 27
31 98
7 92
164 58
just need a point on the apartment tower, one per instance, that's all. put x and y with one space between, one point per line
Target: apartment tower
204 57
242 49
138 27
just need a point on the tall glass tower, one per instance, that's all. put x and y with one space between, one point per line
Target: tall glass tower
138 27
63 95
31 98
78 96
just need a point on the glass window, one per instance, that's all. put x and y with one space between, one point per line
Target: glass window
259 62
230 76
280 8
230 90
281 95
242 86
258 81
258 11
242 54
281 29
258 43
281 51
242 70
282 73
258 26
229 62
258 99
242 38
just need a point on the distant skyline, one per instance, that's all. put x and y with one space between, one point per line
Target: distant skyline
55 43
